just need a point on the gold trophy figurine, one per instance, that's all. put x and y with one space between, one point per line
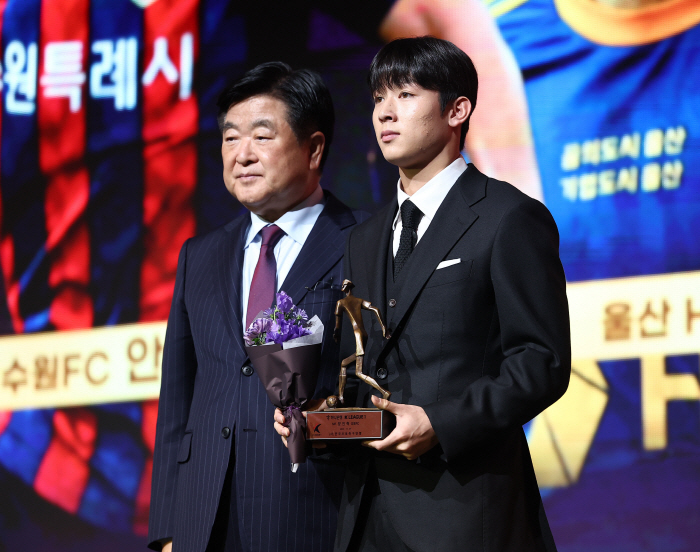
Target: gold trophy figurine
360 424
353 307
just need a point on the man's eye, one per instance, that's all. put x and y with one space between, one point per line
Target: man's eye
378 99
405 94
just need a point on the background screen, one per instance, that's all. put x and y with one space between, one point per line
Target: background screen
110 158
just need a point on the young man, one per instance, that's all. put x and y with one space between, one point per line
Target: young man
221 478
467 272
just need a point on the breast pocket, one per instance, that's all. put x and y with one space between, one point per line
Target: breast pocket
183 453
452 273
323 291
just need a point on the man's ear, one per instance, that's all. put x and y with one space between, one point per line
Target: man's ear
317 144
459 111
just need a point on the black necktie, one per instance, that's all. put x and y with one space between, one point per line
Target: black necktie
410 218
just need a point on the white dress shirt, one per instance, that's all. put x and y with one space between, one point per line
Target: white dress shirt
428 198
297 225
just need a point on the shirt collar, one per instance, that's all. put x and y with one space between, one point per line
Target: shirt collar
430 196
296 223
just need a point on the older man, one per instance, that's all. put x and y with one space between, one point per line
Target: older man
221 479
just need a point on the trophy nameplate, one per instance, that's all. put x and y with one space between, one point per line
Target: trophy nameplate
349 423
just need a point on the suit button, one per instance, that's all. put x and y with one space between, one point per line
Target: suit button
392 302
247 370
382 373
225 433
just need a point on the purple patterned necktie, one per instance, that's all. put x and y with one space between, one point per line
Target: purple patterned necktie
263 286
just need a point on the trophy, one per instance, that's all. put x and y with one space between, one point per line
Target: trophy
352 423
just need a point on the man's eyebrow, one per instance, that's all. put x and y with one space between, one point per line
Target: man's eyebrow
267 123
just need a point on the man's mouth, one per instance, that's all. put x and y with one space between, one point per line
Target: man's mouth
388 135
247 177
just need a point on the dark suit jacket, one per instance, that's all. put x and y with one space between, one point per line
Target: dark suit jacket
209 384
483 346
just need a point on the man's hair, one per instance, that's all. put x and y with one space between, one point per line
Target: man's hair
431 63
303 92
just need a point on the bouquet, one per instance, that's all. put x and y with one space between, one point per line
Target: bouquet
285 349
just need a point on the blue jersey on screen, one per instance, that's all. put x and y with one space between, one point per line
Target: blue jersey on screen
617 136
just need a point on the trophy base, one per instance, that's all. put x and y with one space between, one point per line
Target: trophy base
349 423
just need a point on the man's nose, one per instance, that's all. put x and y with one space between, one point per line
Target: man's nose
386 110
245 155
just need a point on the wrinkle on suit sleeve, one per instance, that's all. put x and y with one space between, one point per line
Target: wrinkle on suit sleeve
177 386
529 335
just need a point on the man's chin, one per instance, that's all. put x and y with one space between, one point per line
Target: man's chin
266 210
393 158
254 205
252 197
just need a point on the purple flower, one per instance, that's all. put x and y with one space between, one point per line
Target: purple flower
298 331
284 330
280 323
300 315
261 325
277 333
255 334
284 302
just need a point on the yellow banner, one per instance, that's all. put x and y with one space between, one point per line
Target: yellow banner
641 317
100 365
645 319
634 317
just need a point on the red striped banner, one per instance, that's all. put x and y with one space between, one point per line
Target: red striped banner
5 416
170 112
143 497
61 98
7 259
65 470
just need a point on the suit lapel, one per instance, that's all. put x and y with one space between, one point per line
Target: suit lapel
452 220
230 268
377 252
321 251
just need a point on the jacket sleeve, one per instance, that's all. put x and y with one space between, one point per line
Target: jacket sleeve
176 389
531 328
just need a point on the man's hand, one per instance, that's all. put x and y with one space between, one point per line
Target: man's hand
413 435
168 547
313 405
279 426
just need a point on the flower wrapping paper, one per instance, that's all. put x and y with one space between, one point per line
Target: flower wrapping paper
289 372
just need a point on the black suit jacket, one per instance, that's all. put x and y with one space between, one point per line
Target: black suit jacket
483 346
209 385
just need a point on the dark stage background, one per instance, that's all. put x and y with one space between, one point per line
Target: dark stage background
110 159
